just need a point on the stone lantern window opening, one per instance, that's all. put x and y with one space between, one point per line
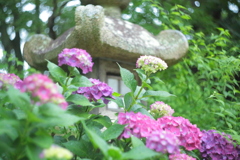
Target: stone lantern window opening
116 82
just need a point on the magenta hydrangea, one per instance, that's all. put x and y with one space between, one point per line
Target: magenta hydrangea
43 90
216 146
151 64
160 109
164 142
9 79
76 58
180 157
188 134
137 124
99 90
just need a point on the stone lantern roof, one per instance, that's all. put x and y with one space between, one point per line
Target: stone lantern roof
103 34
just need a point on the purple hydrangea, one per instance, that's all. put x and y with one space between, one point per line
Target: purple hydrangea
180 157
99 90
137 124
43 90
76 58
164 142
188 134
9 79
151 64
216 146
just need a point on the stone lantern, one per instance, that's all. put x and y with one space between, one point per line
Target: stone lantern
101 32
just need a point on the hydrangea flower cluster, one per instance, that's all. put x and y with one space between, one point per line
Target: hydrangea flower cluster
9 79
137 124
76 58
151 64
57 153
180 157
43 88
99 90
188 134
216 146
162 141
160 109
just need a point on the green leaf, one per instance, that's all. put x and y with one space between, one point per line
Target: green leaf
142 75
104 120
96 140
115 94
33 152
140 152
80 148
128 99
136 142
118 101
113 132
8 127
81 81
56 72
79 100
19 99
20 114
128 78
42 139
157 93
54 115
144 111
114 152
73 70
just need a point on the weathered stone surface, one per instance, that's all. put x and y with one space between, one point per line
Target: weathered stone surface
120 3
107 37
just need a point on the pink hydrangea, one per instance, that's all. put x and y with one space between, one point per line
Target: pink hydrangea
76 58
43 90
216 146
188 134
159 109
180 157
151 64
9 79
99 90
162 141
137 124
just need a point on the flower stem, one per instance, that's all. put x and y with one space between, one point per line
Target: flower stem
140 90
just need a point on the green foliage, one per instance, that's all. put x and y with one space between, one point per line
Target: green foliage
25 127
210 67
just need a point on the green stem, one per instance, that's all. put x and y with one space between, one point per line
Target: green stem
136 97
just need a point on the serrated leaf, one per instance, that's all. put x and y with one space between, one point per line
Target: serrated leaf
19 99
104 120
80 148
56 72
140 152
115 94
150 93
118 101
128 99
79 100
81 81
96 140
128 78
144 111
113 132
42 140
136 142
20 114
